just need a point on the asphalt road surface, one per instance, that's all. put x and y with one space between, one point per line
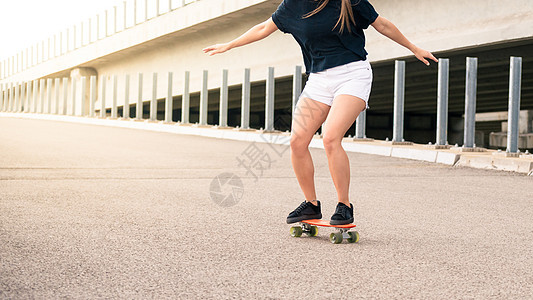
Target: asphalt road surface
101 212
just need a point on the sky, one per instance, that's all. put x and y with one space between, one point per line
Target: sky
26 22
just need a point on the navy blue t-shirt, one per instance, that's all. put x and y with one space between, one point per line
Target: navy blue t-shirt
323 46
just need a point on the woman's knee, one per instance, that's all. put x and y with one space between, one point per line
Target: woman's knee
331 142
299 143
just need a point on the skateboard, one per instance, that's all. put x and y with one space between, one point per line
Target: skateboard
310 228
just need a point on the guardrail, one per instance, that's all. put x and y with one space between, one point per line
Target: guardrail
111 22
36 97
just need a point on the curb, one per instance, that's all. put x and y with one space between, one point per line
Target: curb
479 160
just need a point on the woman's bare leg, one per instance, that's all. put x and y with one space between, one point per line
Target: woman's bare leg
343 113
309 115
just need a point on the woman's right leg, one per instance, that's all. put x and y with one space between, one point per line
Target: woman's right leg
309 115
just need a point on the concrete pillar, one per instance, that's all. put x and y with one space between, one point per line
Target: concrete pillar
49 49
114 108
60 44
65 97
125 14
93 90
68 41
1 97
22 106
97 27
115 28
470 102
83 100
103 81
106 23
79 75
42 85
28 97
245 106
185 100
35 96
223 110
126 107
515 85
153 102
204 99
49 98
57 85
269 101
399 99
139 106
135 13
169 104
90 30
81 35
145 10
9 97
73 99
157 8
16 103
55 45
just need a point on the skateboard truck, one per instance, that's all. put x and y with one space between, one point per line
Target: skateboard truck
310 228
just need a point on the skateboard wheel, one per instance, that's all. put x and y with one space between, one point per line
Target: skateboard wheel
296 231
313 231
335 238
354 237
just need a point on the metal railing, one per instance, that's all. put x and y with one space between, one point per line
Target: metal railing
36 97
94 29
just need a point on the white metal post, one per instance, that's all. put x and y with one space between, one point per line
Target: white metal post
269 101
126 107
470 102
139 106
57 84
515 85
103 81
114 108
399 99
169 103
245 105
204 99
65 96
153 102
185 100
94 90
223 110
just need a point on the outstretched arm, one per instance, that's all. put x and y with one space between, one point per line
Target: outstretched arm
256 33
389 30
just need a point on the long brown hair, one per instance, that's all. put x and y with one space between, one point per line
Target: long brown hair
346 16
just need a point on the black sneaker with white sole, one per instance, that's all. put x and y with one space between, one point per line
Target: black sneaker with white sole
306 211
343 215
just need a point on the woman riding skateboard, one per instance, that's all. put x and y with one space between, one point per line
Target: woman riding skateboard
330 34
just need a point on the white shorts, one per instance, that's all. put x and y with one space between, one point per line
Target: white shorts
354 79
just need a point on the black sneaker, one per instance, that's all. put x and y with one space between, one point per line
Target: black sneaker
343 215
306 211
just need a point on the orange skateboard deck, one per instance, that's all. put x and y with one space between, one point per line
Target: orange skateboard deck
325 223
342 232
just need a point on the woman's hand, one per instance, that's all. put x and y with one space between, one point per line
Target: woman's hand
422 54
216 49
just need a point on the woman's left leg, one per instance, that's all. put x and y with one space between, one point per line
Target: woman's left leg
344 110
